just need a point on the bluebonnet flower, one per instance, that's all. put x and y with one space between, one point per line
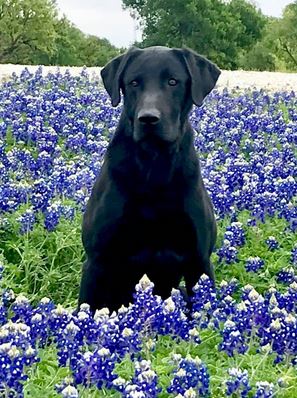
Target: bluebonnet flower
287 276
227 252
16 354
204 301
289 298
144 383
146 307
3 313
69 392
66 389
22 308
68 343
147 379
45 306
52 215
225 309
227 288
106 333
44 162
128 341
174 322
235 234
39 321
264 390
233 340
59 319
27 221
282 336
179 298
252 312
238 383
294 255
120 384
94 368
272 243
253 264
12 370
90 327
8 296
190 373
251 222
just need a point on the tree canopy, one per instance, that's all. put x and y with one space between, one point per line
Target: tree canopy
283 34
214 28
233 33
31 32
26 28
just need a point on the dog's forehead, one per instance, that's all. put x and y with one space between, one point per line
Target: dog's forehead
155 60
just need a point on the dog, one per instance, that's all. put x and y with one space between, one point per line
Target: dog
149 212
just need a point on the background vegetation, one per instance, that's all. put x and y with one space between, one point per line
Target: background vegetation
235 34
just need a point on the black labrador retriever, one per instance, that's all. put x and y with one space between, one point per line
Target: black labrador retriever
149 212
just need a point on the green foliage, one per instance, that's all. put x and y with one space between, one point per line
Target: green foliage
283 36
234 33
26 29
32 33
258 58
96 52
40 264
49 264
75 48
216 29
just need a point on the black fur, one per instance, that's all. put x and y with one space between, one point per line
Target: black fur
149 212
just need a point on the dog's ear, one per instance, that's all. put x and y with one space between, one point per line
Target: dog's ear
111 75
204 75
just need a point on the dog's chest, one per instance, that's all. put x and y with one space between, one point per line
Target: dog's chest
154 211
158 221
155 206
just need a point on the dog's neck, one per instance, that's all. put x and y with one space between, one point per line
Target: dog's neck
149 166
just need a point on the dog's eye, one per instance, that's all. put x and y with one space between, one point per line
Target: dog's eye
134 83
172 82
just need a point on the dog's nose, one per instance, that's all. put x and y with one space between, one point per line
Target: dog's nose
151 116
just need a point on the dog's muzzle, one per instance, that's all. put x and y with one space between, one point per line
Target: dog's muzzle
149 117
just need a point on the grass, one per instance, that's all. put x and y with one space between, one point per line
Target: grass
48 264
42 264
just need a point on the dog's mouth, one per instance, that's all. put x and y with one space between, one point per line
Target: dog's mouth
153 141
154 137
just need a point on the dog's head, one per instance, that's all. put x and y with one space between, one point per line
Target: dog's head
159 85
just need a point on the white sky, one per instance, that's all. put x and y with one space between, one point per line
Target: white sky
105 18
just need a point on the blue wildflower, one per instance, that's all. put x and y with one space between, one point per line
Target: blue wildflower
190 373
253 264
238 383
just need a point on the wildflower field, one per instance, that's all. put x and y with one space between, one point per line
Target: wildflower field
240 339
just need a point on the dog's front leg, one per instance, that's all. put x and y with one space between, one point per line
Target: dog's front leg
95 288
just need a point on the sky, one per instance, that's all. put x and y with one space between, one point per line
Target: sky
106 18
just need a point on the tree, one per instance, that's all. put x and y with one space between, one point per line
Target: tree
75 48
258 58
252 21
30 32
280 38
96 52
217 29
26 29
287 31
68 37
